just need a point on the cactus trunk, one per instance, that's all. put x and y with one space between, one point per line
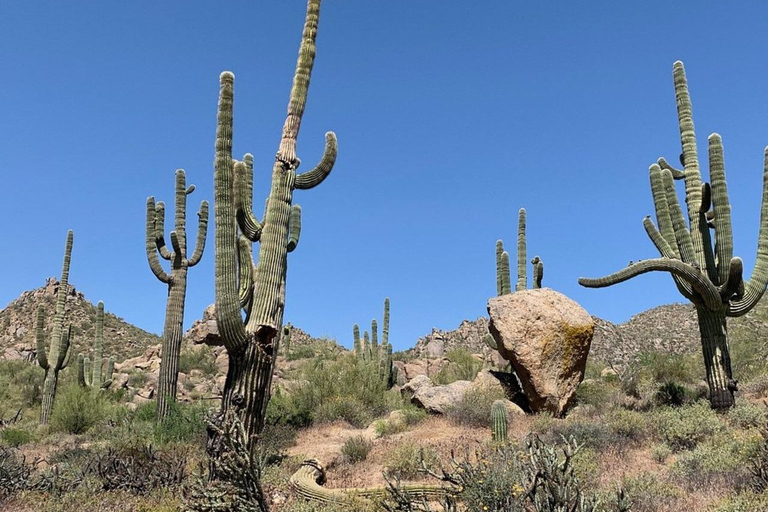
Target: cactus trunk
49 393
172 335
717 359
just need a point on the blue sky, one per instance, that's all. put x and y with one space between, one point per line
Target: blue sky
449 116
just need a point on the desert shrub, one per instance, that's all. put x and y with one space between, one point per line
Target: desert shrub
356 449
19 386
628 425
15 437
722 460
137 378
757 386
198 358
346 408
474 407
670 393
587 433
462 365
78 409
648 493
741 502
184 423
597 393
409 415
290 409
660 452
140 469
745 414
656 370
405 460
127 429
14 472
682 428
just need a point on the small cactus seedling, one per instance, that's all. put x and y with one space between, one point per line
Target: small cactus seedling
58 356
99 374
503 279
176 279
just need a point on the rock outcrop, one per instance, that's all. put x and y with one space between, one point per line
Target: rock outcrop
434 399
546 336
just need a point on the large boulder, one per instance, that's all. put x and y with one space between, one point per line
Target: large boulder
434 399
205 331
546 336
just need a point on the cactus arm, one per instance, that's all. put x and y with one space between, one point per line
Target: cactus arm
690 160
499 267
666 251
180 210
42 358
506 285
374 338
98 350
682 235
176 243
385 325
56 351
202 232
159 232
245 269
106 381
538 271
663 217
733 286
522 278
65 354
721 208
246 220
294 227
755 287
229 321
488 339
676 173
81 370
316 176
708 293
151 245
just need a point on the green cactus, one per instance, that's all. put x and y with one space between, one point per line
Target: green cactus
251 344
371 350
99 375
499 421
59 355
385 323
374 338
358 346
711 278
503 278
176 279
286 340
367 347
488 339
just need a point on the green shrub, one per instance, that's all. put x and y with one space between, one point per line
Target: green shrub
15 437
19 386
590 434
184 422
648 493
405 460
628 425
660 452
137 378
747 501
723 459
198 358
346 408
682 428
597 393
356 449
671 394
78 409
474 408
462 365
745 415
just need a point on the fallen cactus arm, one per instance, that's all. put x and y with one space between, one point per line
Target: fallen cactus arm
308 483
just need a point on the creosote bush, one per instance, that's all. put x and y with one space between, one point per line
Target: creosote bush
682 428
78 409
356 449
406 460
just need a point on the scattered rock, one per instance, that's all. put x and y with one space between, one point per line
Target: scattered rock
434 399
546 336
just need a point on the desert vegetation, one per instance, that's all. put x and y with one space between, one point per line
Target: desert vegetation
513 413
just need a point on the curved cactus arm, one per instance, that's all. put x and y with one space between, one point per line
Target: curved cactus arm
755 287
488 339
316 176
707 292
159 232
106 381
690 160
682 235
721 208
228 318
538 271
247 222
176 244
65 354
499 267
286 153
81 371
42 357
202 232
245 270
294 227
733 287
522 277
506 284
666 251
703 227
87 380
663 217
152 244
676 173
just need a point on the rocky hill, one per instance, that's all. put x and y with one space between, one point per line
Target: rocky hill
17 325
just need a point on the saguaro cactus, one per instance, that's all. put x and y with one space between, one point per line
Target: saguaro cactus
99 374
711 278
176 279
286 340
503 283
58 357
369 349
499 421
251 345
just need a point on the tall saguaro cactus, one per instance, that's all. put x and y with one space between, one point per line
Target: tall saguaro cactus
259 288
97 374
176 279
503 279
58 356
711 278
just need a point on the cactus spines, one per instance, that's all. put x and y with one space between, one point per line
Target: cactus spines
522 278
711 278
96 375
176 280
251 344
503 278
499 421
59 355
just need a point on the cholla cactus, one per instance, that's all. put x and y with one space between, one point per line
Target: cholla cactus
503 283
99 374
59 355
710 277
176 279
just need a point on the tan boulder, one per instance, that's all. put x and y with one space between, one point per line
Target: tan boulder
546 336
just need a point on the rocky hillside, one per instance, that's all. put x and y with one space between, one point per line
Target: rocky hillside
17 325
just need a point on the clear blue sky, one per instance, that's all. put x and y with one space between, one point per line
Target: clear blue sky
450 116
